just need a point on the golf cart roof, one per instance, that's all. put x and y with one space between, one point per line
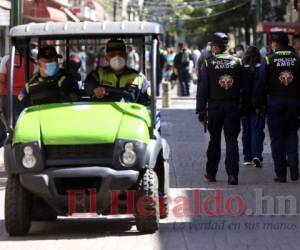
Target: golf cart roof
86 29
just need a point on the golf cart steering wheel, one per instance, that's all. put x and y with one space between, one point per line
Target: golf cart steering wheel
120 93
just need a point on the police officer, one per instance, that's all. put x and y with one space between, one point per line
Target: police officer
282 86
51 84
219 89
101 82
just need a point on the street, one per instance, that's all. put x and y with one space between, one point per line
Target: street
238 219
78 80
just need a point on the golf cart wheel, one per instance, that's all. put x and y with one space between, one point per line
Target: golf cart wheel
18 203
164 195
146 203
41 211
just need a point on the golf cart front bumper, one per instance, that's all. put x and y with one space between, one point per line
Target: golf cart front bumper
60 187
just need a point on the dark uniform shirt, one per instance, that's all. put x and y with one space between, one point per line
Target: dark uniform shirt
283 74
42 90
221 79
280 75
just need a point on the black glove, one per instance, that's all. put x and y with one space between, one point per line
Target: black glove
201 115
261 111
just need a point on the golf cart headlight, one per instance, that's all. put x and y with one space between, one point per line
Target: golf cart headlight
29 159
128 146
28 150
128 156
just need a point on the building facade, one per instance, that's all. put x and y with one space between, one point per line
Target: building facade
5 8
62 10
45 11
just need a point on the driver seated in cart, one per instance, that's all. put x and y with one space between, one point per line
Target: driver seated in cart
111 82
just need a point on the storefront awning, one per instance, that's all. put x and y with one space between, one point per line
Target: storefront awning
47 14
4 17
71 16
63 3
266 27
56 15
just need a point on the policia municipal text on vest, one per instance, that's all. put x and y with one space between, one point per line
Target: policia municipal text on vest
283 79
223 72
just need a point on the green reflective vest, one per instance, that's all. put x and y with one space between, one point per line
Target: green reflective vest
107 77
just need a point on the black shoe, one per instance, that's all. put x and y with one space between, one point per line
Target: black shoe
233 180
280 179
257 162
294 172
210 178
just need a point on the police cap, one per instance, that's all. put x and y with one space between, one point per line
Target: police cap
115 45
219 38
280 37
48 52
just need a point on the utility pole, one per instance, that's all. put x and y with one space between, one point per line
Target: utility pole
115 10
258 19
16 13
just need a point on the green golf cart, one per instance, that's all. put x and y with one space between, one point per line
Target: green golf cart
88 156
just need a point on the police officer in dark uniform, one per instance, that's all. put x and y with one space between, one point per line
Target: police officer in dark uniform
282 89
51 84
219 91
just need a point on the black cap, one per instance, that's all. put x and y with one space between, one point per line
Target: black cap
115 45
280 37
219 38
48 52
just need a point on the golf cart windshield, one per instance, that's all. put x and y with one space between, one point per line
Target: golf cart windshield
80 57
83 48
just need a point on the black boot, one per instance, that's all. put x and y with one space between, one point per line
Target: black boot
233 180
280 179
210 178
294 171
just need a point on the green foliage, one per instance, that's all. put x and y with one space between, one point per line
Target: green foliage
199 22
205 21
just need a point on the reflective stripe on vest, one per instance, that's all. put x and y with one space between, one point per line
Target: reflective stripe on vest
60 81
206 63
40 80
283 52
108 78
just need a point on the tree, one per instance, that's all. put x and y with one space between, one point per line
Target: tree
202 18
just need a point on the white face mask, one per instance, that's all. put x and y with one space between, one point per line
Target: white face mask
34 52
117 63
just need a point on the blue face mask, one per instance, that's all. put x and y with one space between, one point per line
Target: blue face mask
51 68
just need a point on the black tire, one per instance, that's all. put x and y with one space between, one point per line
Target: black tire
18 203
147 189
41 211
164 194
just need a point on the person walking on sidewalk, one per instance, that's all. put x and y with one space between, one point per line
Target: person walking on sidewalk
282 91
182 64
220 87
253 121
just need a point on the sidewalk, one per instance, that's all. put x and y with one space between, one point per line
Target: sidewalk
178 102
258 214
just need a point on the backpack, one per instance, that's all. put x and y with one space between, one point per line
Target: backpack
185 58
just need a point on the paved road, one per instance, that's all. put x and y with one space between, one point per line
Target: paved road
190 226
